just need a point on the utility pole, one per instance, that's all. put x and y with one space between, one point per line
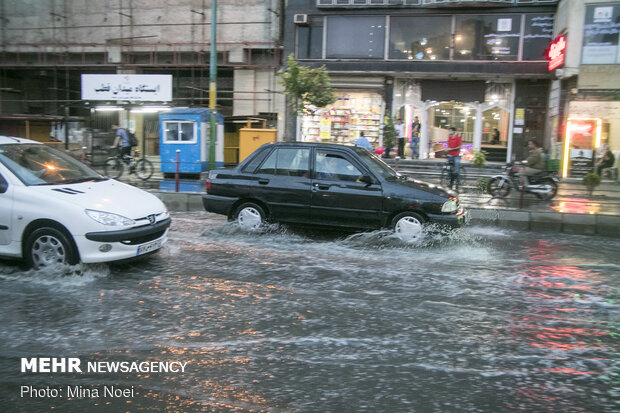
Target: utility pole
212 85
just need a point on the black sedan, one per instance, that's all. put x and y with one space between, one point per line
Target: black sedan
327 184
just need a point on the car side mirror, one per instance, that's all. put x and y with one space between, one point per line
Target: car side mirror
366 179
4 185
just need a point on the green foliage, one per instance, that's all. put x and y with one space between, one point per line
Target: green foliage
482 184
389 133
306 86
591 180
480 158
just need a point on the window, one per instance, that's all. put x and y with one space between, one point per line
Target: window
600 34
420 38
491 37
36 164
287 162
355 37
335 167
179 131
310 39
537 36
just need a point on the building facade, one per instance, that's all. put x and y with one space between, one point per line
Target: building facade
47 45
474 65
584 106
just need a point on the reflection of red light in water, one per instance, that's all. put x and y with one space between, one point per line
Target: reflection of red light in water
567 370
577 206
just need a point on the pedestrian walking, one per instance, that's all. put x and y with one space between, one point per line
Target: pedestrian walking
416 126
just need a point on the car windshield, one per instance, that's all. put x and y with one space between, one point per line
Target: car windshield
36 164
377 165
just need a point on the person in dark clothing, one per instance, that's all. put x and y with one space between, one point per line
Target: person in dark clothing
495 139
606 161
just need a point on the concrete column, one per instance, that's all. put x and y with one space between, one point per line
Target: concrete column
423 150
477 141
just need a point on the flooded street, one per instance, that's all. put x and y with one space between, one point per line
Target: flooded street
485 320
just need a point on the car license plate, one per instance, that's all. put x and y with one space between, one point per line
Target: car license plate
149 247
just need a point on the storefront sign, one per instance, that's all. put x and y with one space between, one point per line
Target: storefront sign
600 34
556 53
149 88
519 116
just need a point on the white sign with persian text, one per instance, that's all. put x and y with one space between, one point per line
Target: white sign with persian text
149 88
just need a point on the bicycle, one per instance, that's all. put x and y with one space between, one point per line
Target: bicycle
447 172
114 166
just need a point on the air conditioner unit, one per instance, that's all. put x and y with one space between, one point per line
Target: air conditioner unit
300 19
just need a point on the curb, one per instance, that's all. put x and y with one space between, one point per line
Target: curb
582 224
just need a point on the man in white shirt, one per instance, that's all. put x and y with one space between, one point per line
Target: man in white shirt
400 128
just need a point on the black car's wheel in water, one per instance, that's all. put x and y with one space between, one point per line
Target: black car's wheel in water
499 188
551 189
144 169
408 224
249 215
49 246
113 168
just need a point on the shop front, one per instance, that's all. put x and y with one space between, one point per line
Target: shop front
354 113
590 128
479 110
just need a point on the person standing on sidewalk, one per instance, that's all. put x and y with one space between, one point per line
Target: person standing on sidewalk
454 156
416 126
400 128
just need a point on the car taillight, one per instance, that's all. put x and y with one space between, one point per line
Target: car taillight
208 184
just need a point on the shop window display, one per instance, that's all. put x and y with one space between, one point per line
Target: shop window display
345 120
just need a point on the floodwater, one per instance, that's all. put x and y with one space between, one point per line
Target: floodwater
484 320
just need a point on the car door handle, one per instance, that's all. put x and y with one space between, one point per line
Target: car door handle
263 181
322 187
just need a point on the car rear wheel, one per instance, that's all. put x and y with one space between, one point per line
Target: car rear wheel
48 246
408 224
249 216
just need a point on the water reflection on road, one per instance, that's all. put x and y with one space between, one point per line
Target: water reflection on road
290 320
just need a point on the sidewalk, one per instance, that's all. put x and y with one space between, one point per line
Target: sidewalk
572 211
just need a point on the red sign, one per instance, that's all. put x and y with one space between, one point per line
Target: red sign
556 52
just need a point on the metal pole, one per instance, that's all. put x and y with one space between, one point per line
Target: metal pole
212 84
176 173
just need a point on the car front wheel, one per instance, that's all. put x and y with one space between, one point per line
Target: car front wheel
48 246
408 224
249 216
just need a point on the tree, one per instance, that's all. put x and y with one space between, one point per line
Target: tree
389 135
306 87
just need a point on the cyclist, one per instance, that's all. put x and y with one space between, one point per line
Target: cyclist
122 137
454 156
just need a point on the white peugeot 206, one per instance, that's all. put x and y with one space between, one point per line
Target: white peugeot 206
54 209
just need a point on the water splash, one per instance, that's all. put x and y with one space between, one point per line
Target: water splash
61 275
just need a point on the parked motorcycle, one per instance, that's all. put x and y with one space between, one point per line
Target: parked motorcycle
544 185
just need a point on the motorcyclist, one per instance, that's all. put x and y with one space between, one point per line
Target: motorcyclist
535 162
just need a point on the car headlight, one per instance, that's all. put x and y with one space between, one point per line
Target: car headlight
449 206
109 219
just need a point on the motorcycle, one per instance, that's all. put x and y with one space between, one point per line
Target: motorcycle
544 185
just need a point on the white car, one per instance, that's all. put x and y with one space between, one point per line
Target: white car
54 209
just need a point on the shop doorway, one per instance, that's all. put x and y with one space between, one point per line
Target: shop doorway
495 127
452 114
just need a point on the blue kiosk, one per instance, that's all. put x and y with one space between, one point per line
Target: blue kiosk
188 131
